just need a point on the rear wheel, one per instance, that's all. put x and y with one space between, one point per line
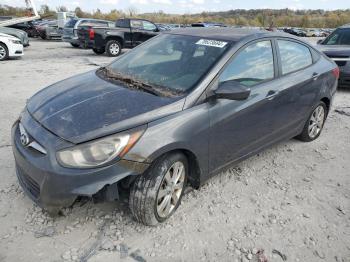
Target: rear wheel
74 45
4 54
113 48
98 51
156 195
314 125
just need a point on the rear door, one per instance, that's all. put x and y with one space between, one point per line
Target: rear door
297 88
239 128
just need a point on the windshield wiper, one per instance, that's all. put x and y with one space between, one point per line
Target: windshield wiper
132 82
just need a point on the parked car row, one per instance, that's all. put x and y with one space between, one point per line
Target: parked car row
310 32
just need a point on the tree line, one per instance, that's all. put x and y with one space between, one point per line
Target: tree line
254 17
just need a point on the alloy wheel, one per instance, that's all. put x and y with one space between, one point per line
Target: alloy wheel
316 121
2 52
114 49
170 189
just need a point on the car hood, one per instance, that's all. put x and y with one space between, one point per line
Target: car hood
335 50
86 107
10 31
8 36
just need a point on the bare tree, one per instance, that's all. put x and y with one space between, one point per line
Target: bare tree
131 11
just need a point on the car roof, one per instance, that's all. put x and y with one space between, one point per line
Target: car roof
7 36
227 33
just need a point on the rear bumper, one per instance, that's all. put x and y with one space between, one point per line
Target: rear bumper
52 186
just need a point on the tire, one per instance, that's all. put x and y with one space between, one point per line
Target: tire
307 135
4 52
113 48
74 45
98 51
151 190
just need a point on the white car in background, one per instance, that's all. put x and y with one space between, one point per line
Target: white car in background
10 46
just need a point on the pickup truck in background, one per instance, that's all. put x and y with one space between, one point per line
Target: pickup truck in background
127 33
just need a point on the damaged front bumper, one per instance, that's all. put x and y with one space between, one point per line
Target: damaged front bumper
50 185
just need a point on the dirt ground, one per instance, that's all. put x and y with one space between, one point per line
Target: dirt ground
289 203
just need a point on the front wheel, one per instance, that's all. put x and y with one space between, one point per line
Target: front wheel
74 45
113 48
314 125
4 54
156 195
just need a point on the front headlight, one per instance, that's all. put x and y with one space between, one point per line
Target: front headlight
98 152
18 42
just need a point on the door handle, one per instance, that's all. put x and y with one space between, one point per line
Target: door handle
315 76
271 94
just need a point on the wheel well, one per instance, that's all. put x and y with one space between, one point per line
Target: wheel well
193 166
327 102
4 45
118 38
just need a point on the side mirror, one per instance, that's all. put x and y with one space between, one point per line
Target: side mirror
320 41
232 90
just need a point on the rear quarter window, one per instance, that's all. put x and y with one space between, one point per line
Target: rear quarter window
294 56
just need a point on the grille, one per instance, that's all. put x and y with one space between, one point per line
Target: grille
28 183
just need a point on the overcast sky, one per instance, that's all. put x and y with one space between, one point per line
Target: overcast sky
187 6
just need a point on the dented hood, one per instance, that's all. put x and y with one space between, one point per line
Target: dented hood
86 107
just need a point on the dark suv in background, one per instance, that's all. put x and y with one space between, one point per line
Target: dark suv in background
337 47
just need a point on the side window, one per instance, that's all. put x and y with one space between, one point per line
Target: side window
345 37
123 23
137 24
252 65
294 56
148 26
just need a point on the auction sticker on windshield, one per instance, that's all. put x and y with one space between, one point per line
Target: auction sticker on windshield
214 43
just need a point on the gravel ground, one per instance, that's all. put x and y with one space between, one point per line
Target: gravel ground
289 203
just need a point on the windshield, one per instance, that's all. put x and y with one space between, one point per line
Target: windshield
173 62
338 37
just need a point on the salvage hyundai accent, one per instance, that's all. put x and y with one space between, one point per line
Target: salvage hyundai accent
168 114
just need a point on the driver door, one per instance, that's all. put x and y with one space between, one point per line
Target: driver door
239 128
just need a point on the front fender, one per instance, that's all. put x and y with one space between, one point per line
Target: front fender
186 130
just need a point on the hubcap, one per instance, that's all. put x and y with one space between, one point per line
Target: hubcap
114 49
2 52
316 121
170 189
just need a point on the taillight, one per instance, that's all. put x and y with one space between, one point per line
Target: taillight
91 34
336 72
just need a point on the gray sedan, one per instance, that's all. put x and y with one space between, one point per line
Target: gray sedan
21 35
168 114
